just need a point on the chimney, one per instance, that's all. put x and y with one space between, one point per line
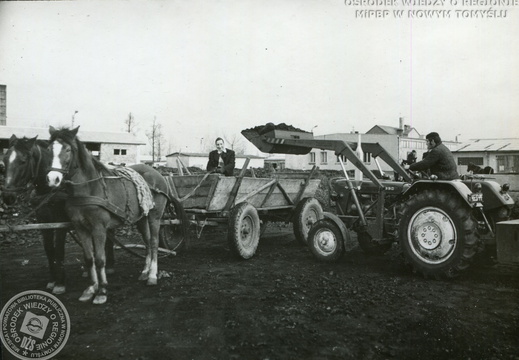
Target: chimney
401 123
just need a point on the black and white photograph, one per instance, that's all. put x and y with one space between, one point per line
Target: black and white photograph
263 180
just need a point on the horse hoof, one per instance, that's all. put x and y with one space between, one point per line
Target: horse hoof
110 271
152 281
86 297
144 276
50 285
58 290
100 299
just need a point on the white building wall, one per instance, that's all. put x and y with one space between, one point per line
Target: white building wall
303 162
106 153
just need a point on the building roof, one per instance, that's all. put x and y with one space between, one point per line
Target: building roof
193 154
494 145
391 130
86 136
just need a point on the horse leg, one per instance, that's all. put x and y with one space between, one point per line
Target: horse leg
59 252
154 226
109 250
88 253
48 245
144 229
99 238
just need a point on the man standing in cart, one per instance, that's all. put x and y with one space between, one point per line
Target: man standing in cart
221 160
439 159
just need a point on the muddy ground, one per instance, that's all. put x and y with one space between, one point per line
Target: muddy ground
281 304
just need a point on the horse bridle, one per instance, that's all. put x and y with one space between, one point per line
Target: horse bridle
63 171
66 172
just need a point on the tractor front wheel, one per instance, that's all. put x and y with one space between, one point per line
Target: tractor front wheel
326 241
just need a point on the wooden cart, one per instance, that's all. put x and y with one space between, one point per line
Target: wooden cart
244 204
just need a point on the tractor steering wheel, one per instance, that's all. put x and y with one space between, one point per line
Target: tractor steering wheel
418 174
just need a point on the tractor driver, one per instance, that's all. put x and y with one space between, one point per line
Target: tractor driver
221 160
439 159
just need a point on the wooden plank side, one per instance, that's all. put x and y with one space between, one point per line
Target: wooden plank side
223 188
221 193
184 185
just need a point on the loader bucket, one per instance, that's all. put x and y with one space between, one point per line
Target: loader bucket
269 138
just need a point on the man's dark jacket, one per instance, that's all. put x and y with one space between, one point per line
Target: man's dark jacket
440 162
229 161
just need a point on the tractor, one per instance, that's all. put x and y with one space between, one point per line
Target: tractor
440 226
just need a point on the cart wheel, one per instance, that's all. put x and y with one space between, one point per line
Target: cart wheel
244 230
326 241
307 213
171 237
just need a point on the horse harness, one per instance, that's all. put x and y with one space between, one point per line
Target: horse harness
88 200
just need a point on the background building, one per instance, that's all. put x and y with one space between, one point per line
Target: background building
117 148
398 141
500 154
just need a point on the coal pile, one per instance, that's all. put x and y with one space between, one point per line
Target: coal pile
263 129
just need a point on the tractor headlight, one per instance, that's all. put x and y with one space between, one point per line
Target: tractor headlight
505 188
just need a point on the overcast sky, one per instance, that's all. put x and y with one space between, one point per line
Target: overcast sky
212 68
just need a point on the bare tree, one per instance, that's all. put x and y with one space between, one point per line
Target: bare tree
130 124
157 140
236 143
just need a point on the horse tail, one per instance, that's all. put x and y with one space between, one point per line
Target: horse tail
182 216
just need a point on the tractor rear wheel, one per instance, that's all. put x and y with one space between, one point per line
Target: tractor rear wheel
438 234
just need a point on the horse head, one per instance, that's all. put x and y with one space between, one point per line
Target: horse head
20 167
63 149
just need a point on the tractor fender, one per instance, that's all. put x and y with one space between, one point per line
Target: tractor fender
447 185
340 224
493 198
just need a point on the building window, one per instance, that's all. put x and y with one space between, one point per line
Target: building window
343 158
367 158
508 163
466 160
312 158
324 157
119 151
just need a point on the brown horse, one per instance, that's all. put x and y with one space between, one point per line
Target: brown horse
100 198
474 169
26 164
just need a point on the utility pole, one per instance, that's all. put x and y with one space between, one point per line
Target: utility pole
73 117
